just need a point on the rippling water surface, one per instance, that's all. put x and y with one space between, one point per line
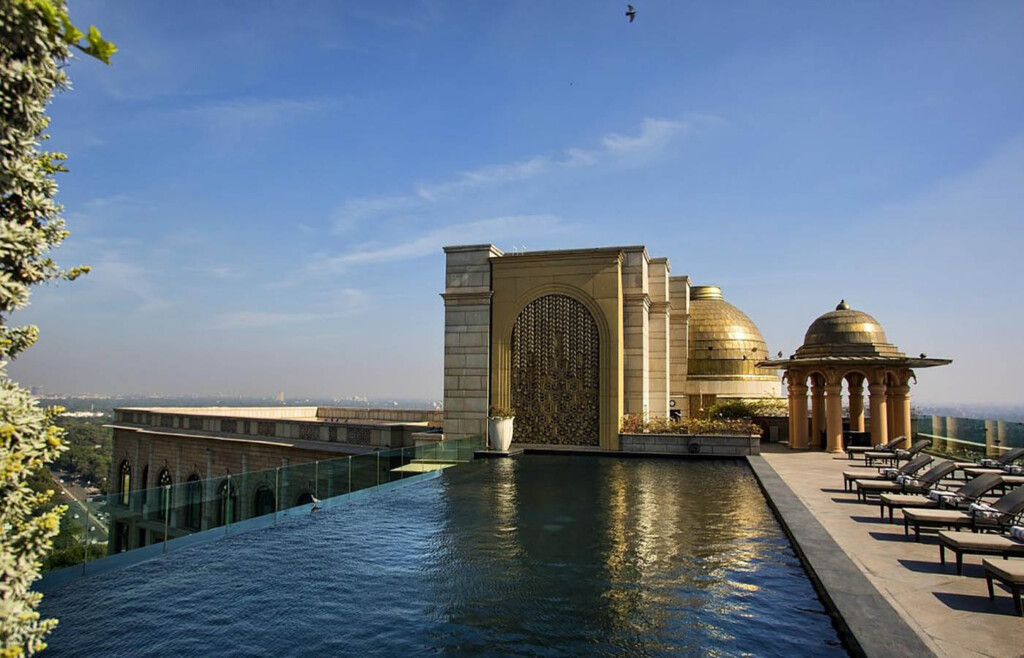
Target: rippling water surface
545 555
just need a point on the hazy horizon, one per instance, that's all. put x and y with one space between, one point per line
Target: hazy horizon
263 190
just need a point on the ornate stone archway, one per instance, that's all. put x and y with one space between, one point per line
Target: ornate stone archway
556 373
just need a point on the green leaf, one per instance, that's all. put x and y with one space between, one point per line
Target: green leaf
99 47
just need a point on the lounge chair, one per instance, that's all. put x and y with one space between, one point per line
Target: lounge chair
1005 509
904 483
897 455
1008 572
891 446
1000 465
977 543
885 472
969 492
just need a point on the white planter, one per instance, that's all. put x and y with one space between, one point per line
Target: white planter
500 433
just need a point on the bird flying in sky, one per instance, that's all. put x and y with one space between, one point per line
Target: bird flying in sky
630 12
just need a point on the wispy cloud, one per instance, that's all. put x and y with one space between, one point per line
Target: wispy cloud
653 137
485 230
114 275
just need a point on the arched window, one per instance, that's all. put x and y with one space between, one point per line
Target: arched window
126 482
194 503
227 503
263 501
163 494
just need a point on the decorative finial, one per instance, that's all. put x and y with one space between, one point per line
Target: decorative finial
842 306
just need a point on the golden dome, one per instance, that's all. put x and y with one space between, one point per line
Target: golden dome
724 342
846 332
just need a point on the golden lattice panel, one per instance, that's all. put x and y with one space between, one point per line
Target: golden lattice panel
556 373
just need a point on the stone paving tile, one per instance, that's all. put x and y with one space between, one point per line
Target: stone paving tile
952 614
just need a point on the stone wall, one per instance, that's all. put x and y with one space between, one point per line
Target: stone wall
467 339
690 445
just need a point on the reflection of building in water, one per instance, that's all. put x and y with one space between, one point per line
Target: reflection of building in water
574 339
221 463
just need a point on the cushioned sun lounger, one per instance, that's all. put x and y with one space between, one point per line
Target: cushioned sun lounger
976 543
1008 572
851 451
1006 508
969 492
905 484
974 469
911 467
896 456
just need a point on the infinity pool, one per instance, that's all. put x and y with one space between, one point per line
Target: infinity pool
548 555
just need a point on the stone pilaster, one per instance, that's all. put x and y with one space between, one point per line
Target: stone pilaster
467 339
679 335
660 335
636 306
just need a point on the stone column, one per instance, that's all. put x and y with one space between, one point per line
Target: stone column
834 418
467 340
901 408
856 403
817 411
679 335
879 417
636 308
660 333
798 416
890 415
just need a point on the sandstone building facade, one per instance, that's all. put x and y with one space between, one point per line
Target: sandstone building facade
574 339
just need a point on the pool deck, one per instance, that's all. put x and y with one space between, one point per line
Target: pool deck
950 615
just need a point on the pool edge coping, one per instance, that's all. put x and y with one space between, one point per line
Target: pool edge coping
853 602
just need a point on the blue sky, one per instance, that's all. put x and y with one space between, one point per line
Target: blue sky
263 189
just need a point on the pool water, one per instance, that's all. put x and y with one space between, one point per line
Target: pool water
549 555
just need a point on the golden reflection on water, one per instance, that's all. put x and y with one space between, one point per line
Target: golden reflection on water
657 534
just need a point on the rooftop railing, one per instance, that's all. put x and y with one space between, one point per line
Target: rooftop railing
969 438
136 524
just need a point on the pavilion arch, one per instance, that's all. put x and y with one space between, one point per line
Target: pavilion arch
263 500
124 480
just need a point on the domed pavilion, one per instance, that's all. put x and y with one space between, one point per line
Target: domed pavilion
724 348
846 345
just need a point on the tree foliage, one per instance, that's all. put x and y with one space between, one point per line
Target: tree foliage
745 409
36 38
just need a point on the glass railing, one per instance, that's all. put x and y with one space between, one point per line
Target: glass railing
148 519
969 439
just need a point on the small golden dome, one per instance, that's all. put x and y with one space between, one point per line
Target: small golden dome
724 342
846 332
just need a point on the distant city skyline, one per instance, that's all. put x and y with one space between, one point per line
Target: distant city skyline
263 190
